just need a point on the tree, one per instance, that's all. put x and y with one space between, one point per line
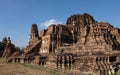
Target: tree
2 46
4 40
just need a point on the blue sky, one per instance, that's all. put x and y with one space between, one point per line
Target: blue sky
16 16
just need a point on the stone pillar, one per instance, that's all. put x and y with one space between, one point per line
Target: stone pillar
22 60
57 62
102 58
99 65
25 60
107 66
13 60
104 66
98 59
108 60
94 60
28 60
70 63
61 62
43 61
63 59
112 70
65 62
32 60
67 59
16 60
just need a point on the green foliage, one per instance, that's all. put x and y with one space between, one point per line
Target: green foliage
2 46
115 74
11 74
2 60
4 40
90 74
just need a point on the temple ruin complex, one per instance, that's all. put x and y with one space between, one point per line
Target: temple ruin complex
81 44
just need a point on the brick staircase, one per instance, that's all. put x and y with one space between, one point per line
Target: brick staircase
30 47
25 51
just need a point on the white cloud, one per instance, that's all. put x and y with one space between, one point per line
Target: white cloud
49 22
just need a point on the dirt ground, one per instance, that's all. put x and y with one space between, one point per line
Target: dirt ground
28 69
21 69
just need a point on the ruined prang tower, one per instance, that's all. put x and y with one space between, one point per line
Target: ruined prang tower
33 33
8 49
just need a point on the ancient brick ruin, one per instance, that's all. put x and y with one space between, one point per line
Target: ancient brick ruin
82 44
9 49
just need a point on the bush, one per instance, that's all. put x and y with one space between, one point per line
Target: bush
2 60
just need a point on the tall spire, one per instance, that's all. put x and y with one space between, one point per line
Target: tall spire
33 32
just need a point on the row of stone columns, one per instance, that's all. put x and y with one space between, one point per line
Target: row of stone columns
64 62
42 61
23 60
104 65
